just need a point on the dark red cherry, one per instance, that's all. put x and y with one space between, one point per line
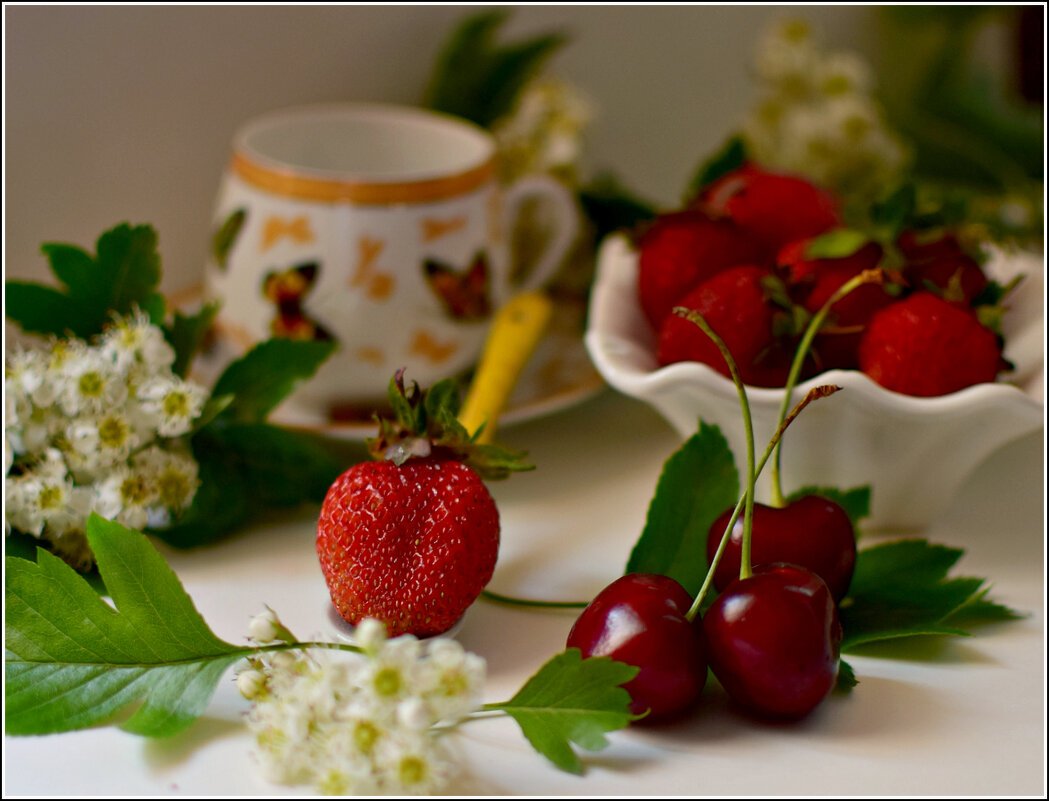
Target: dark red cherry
812 531
773 641
640 619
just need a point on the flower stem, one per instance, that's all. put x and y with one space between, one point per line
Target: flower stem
865 277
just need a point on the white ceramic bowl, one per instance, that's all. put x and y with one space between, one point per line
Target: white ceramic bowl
913 452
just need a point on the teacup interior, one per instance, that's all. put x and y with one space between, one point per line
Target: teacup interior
367 142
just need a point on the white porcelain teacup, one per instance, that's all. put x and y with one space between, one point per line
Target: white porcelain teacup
380 227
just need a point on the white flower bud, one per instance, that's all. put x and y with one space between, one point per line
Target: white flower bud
264 627
251 683
370 635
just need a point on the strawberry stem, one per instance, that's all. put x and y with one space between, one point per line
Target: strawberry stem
865 277
748 430
813 394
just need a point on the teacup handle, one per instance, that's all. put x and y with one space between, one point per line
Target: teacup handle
566 213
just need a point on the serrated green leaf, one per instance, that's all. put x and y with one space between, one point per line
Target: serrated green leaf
856 502
836 244
731 156
267 374
979 610
75 268
130 265
697 484
39 309
571 700
901 589
72 661
124 273
186 333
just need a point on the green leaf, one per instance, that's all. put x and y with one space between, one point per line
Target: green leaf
893 212
124 273
477 79
39 309
836 244
571 700
281 467
901 589
978 610
731 156
245 470
72 661
610 206
697 484
846 677
186 333
856 502
222 503
267 374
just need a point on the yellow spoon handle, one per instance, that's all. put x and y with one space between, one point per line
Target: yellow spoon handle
516 330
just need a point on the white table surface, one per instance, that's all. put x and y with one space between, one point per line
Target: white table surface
941 716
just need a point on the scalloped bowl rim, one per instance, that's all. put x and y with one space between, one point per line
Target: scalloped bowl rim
633 378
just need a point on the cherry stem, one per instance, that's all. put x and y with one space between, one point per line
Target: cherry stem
748 429
864 277
511 601
813 394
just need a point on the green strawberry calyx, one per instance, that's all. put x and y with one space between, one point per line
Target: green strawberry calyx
425 423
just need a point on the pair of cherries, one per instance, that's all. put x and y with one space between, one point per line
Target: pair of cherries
772 639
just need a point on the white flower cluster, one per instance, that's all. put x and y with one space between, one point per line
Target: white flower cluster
362 724
544 132
817 115
96 428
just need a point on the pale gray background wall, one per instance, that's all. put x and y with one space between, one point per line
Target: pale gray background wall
125 113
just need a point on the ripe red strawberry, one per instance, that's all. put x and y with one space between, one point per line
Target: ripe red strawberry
736 305
940 260
412 539
776 208
925 346
814 280
681 250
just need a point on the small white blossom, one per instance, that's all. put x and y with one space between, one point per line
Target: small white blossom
126 496
91 383
544 131
171 404
135 344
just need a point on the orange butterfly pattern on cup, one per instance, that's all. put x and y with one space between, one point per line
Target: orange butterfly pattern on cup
297 229
378 285
286 289
426 345
434 229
